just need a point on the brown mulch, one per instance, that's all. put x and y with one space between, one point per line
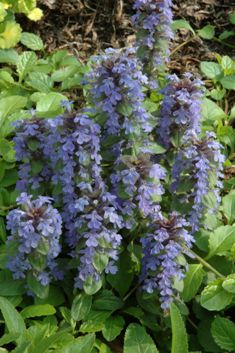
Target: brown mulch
86 27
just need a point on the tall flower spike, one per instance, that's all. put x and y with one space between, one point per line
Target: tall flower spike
153 20
160 265
35 232
180 110
116 89
205 158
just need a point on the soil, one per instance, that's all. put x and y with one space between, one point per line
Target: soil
86 27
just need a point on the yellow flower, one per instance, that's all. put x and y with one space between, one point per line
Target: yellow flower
35 15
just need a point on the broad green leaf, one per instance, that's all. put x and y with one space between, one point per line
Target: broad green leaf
124 271
9 105
229 283
106 300
211 111
13 320
31 41
50 105
181 24
204 335
210 69
9 286
192 281
232 18
223 332
179 334
82 344
226 34
228 203
38 310
81 306
91 287
100 261
228 82
94 321
113 327
10 178
227 65
55 297
63 73
221 240
36 287
9 56
214 297
9 34
25 64
207 32
40 82
137 340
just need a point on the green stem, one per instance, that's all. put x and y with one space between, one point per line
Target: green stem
206 264
5 208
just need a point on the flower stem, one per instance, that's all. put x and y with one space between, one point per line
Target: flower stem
206 264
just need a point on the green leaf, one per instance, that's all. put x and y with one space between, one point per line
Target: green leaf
55 297
65 72
124 271
40 82
94 321
192 281
31 41
211 111
50 105
229 283
221 240
228 82
232 18
9 105
13 320
10 178
100 261
3 236
210 69
228 203
9 34
25 64
223 332
9 286
81 306
106 300
38 310
179 335
113 327
214 297
204 335
226 34
227 64
82 344
36 287
9 56
181 24
207 32
91 287
137 340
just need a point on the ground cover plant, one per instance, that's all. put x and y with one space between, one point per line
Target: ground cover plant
117 205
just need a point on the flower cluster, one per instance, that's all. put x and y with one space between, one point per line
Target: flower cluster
137 182
205 159
71 147
180 110
117 90
29 142
35 234
160 264
153 21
